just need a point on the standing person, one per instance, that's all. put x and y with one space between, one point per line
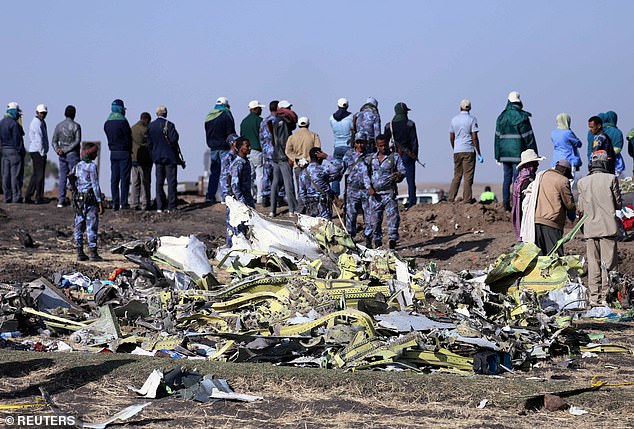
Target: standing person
402 131
387 170
241 184
599 198
527 172
66 143
368 120
88 205
266 141
342 124
12 143
601 141
630 143
250 129
163 144
315 181
566 144
141 174
38 149
225 167
119 137
281 128
615 135
554 203
357 182
219 125
297 151
513 135
463 136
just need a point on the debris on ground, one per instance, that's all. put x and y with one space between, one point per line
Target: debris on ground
304 294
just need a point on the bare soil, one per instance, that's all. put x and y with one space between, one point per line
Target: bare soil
455 236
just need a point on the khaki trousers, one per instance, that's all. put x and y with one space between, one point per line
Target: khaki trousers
601 253
463 164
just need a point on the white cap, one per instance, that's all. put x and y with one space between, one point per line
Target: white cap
222 100
161 110
284 104
303 121
342 102
465 104
13 105
254 104
514 97
41 108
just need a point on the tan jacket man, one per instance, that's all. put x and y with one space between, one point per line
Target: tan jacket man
299 144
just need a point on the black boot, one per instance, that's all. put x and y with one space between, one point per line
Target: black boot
368 242
81 256
94 256
377 244
392 244
266 200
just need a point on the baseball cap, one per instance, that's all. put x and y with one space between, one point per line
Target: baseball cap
303 121
161 110
118 102
13 105
514 97
231 138
223 101
41 108
254 104
465 104
284 104
342 102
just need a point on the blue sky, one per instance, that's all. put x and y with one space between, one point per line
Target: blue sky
562 56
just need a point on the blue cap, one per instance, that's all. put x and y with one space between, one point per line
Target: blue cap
118 102
361 135
232 138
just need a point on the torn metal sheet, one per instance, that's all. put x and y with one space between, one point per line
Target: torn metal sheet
403 321
184 253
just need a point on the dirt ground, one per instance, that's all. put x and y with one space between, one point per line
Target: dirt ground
455 236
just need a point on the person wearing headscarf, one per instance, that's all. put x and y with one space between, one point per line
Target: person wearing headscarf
599 199
402 131
527 170
119 135
566 144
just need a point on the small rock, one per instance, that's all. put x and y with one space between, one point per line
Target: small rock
554 403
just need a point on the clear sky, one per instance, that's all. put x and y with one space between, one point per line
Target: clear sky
562 56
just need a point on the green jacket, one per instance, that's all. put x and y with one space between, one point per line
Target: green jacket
513 134
250 128
140 148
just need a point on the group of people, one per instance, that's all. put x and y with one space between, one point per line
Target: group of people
543 201
286 161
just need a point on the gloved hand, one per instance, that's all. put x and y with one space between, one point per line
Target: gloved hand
480 158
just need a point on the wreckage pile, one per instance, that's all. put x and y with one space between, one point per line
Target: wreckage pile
304 294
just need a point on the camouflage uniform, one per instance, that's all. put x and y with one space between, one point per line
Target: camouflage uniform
314 187
87 198
225 181
368 121
357 184
385 197
241 182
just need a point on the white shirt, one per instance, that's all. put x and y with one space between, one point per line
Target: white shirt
38 136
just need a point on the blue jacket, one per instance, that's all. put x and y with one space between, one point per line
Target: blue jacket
11 134
566 146
163 153
119 135
616 137
218 129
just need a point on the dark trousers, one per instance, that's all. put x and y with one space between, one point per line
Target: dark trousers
36 184
166 172
215 158
338 154
510 174
463 165
67 162
410 176
11 185
546 237
120 166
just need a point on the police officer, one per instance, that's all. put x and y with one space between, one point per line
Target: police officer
314 184
356 165
225 165
387 170
241 183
